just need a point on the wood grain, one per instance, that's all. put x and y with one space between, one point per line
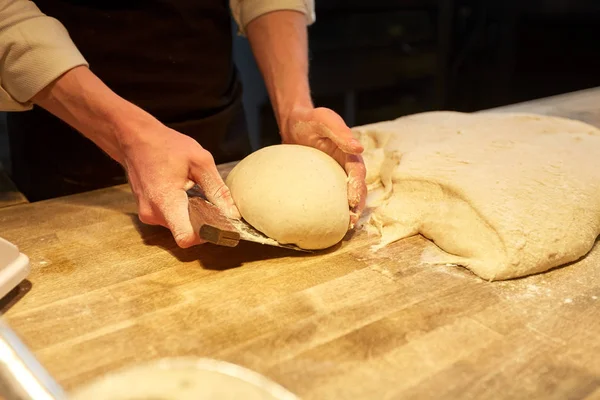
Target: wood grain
9 194
108 291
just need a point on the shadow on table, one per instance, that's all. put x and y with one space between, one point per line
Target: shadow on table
209 256
214 257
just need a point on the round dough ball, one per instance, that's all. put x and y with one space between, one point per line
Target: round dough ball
294 194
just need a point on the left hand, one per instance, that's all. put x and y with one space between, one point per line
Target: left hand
325 130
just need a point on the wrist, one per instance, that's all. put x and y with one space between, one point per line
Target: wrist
131 125
285 111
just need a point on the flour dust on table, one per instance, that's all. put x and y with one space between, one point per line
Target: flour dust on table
504 195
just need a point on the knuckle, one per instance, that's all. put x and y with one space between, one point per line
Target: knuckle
203 157
190 142
146 216
147 212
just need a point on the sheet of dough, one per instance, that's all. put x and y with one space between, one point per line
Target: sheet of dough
505 195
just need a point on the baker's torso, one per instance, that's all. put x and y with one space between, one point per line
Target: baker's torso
173 58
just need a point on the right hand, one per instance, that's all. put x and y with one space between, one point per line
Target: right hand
162 164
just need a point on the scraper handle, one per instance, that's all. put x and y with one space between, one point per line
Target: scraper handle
211 224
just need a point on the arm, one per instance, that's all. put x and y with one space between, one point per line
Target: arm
279 43
41 66
80 99
161 163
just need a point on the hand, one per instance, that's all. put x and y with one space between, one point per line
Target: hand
279 42
162 165
323 129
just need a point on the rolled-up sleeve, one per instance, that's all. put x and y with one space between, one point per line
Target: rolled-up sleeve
244 11
35 49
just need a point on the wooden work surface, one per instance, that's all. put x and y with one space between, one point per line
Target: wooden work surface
9 194
108 291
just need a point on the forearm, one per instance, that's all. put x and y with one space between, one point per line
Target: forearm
83 101
280 45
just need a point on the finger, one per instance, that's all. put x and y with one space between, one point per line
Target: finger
173 206
333 127
356 171
205 173
357 187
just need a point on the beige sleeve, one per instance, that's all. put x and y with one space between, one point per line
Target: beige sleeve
34 50
244 11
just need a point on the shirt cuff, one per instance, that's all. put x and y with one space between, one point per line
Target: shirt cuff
245 11
39 51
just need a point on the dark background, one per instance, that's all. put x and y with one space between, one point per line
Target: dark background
381 59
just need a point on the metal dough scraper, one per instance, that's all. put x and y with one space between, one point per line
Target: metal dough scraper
216 228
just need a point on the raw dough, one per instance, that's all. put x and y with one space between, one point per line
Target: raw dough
293 194
505 195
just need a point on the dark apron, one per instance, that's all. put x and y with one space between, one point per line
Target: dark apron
173 58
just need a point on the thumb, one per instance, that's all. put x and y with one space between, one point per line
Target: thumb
205 174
